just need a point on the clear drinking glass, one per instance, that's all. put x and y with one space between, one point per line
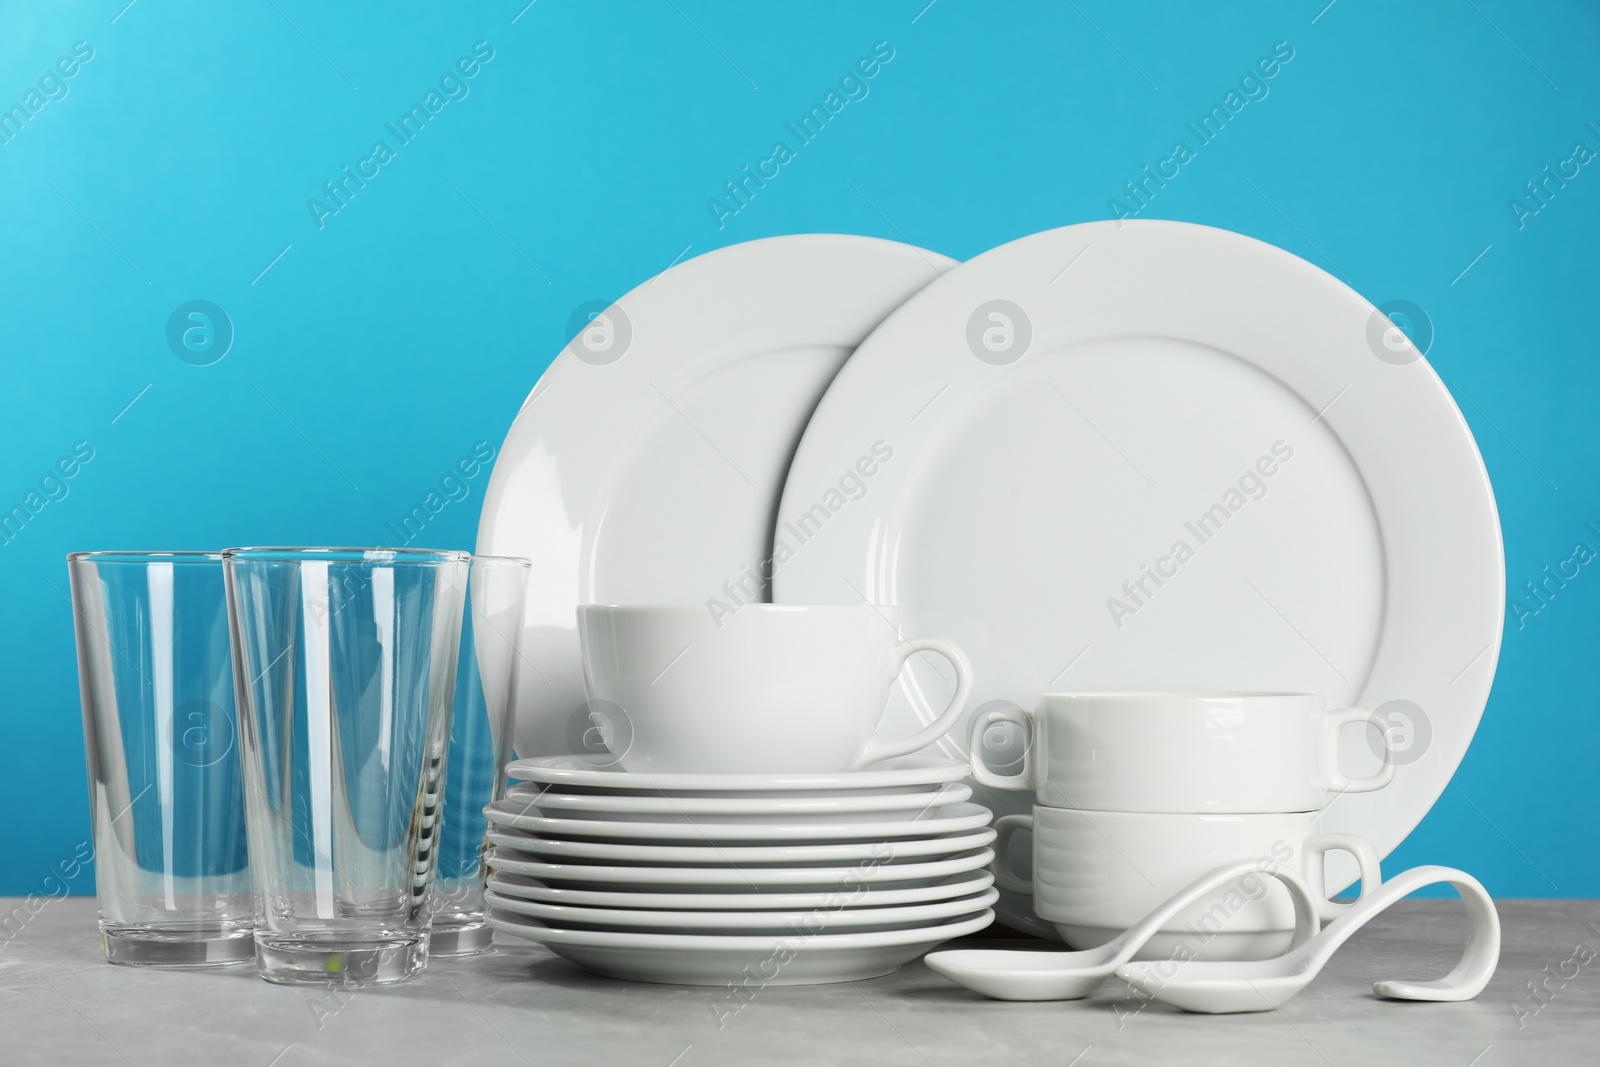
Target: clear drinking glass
344 665
159 731
480 745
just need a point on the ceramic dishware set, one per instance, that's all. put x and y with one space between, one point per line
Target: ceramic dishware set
738 814
1211 556
1182 828
775 879
1138 794
1110 458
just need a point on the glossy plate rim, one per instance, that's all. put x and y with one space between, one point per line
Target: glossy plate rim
534 931
820 805
953 818
735 855
743 918
970 886
608 874
904 772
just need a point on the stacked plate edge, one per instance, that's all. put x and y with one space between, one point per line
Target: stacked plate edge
750 879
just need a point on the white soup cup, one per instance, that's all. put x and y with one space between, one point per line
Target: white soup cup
1193 752
1097 873
771 688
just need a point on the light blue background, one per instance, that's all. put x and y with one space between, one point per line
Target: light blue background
382 347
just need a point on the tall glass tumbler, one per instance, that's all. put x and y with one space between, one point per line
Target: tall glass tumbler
159 731
480 744
344 665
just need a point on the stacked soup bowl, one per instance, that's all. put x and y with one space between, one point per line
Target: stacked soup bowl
734 818
1139 794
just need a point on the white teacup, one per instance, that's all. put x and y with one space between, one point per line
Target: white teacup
772 688
1096 873
1194 752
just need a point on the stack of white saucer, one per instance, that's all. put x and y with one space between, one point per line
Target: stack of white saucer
755 879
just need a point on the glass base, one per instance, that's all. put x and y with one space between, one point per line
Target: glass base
464 938
199 945
340 959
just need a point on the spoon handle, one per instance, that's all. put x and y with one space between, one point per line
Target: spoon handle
1478 959
1306 907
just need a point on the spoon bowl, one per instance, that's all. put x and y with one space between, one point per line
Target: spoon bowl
1011 974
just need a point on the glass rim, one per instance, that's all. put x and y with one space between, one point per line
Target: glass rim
343 554
158 555
502 561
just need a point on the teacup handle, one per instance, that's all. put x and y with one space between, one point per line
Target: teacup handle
1332 777
1004 876
1312 854
1023 779
881 750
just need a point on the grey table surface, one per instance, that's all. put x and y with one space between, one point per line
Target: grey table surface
60 1003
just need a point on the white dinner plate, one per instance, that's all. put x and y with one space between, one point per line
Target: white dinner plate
698 959
865 895
646 464
1153 455
949 820
530 845
571 772
837 918
871 807
903 875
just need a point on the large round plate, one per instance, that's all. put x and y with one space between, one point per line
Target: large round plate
1152 455
737 856
871 807
897 774
955 819
866 895
735 879
645 466
697 959
835 918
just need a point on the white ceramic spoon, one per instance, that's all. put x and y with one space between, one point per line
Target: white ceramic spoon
1007 974
1265 984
